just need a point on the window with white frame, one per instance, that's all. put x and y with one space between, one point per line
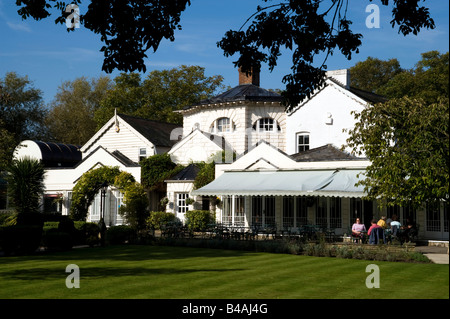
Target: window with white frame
182 206
302 142
433 217
119 203
95 207
266 124
222 125
142 154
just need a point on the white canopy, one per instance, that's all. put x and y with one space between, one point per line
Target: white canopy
331 183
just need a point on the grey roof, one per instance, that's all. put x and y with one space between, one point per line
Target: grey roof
324 153
244 92
156 132
187 174
123 159
368 96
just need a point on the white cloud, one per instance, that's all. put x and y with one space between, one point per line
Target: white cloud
18 26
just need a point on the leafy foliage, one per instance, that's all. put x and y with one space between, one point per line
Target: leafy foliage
157 168
158 95
427 80
90 184
407 142
22 114
406 139
373 74
25 184
134 208
198 220
306 27
71 117
205 175
157 220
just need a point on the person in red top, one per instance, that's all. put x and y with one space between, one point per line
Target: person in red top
376 233
374 225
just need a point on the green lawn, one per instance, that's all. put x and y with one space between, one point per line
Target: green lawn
194 273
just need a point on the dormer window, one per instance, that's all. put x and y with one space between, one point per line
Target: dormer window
223 124
266 124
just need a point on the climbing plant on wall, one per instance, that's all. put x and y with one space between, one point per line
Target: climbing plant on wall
92 181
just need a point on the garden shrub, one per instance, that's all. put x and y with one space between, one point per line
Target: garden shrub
31 219
20 239
120 234
50 225
56 240
198 220
157 220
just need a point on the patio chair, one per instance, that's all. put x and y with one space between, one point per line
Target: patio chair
377 236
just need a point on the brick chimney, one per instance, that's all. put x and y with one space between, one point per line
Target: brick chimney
250 79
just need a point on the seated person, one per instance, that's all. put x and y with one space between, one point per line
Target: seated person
375 233
358 228
410 231
382 222
395 225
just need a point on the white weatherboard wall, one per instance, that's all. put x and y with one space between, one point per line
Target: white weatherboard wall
323 118
62 181
196 147
126 140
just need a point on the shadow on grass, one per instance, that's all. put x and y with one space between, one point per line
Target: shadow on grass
102 272
126 253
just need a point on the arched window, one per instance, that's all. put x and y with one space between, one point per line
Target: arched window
223 124
266 124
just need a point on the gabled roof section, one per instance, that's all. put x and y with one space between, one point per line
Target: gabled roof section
156 132
187 174
324 153
361 96
215 139
367 96
244 92
118 156
370 97
123 159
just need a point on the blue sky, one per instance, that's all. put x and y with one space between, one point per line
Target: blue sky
49 55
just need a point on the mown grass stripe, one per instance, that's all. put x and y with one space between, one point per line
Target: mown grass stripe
181 272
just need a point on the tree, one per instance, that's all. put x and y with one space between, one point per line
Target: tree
159 94
428 80
7 144
22 108
373 74
129 28
71 117
22 113
407 143
154 171
25 184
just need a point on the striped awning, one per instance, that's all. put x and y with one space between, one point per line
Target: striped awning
330 183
